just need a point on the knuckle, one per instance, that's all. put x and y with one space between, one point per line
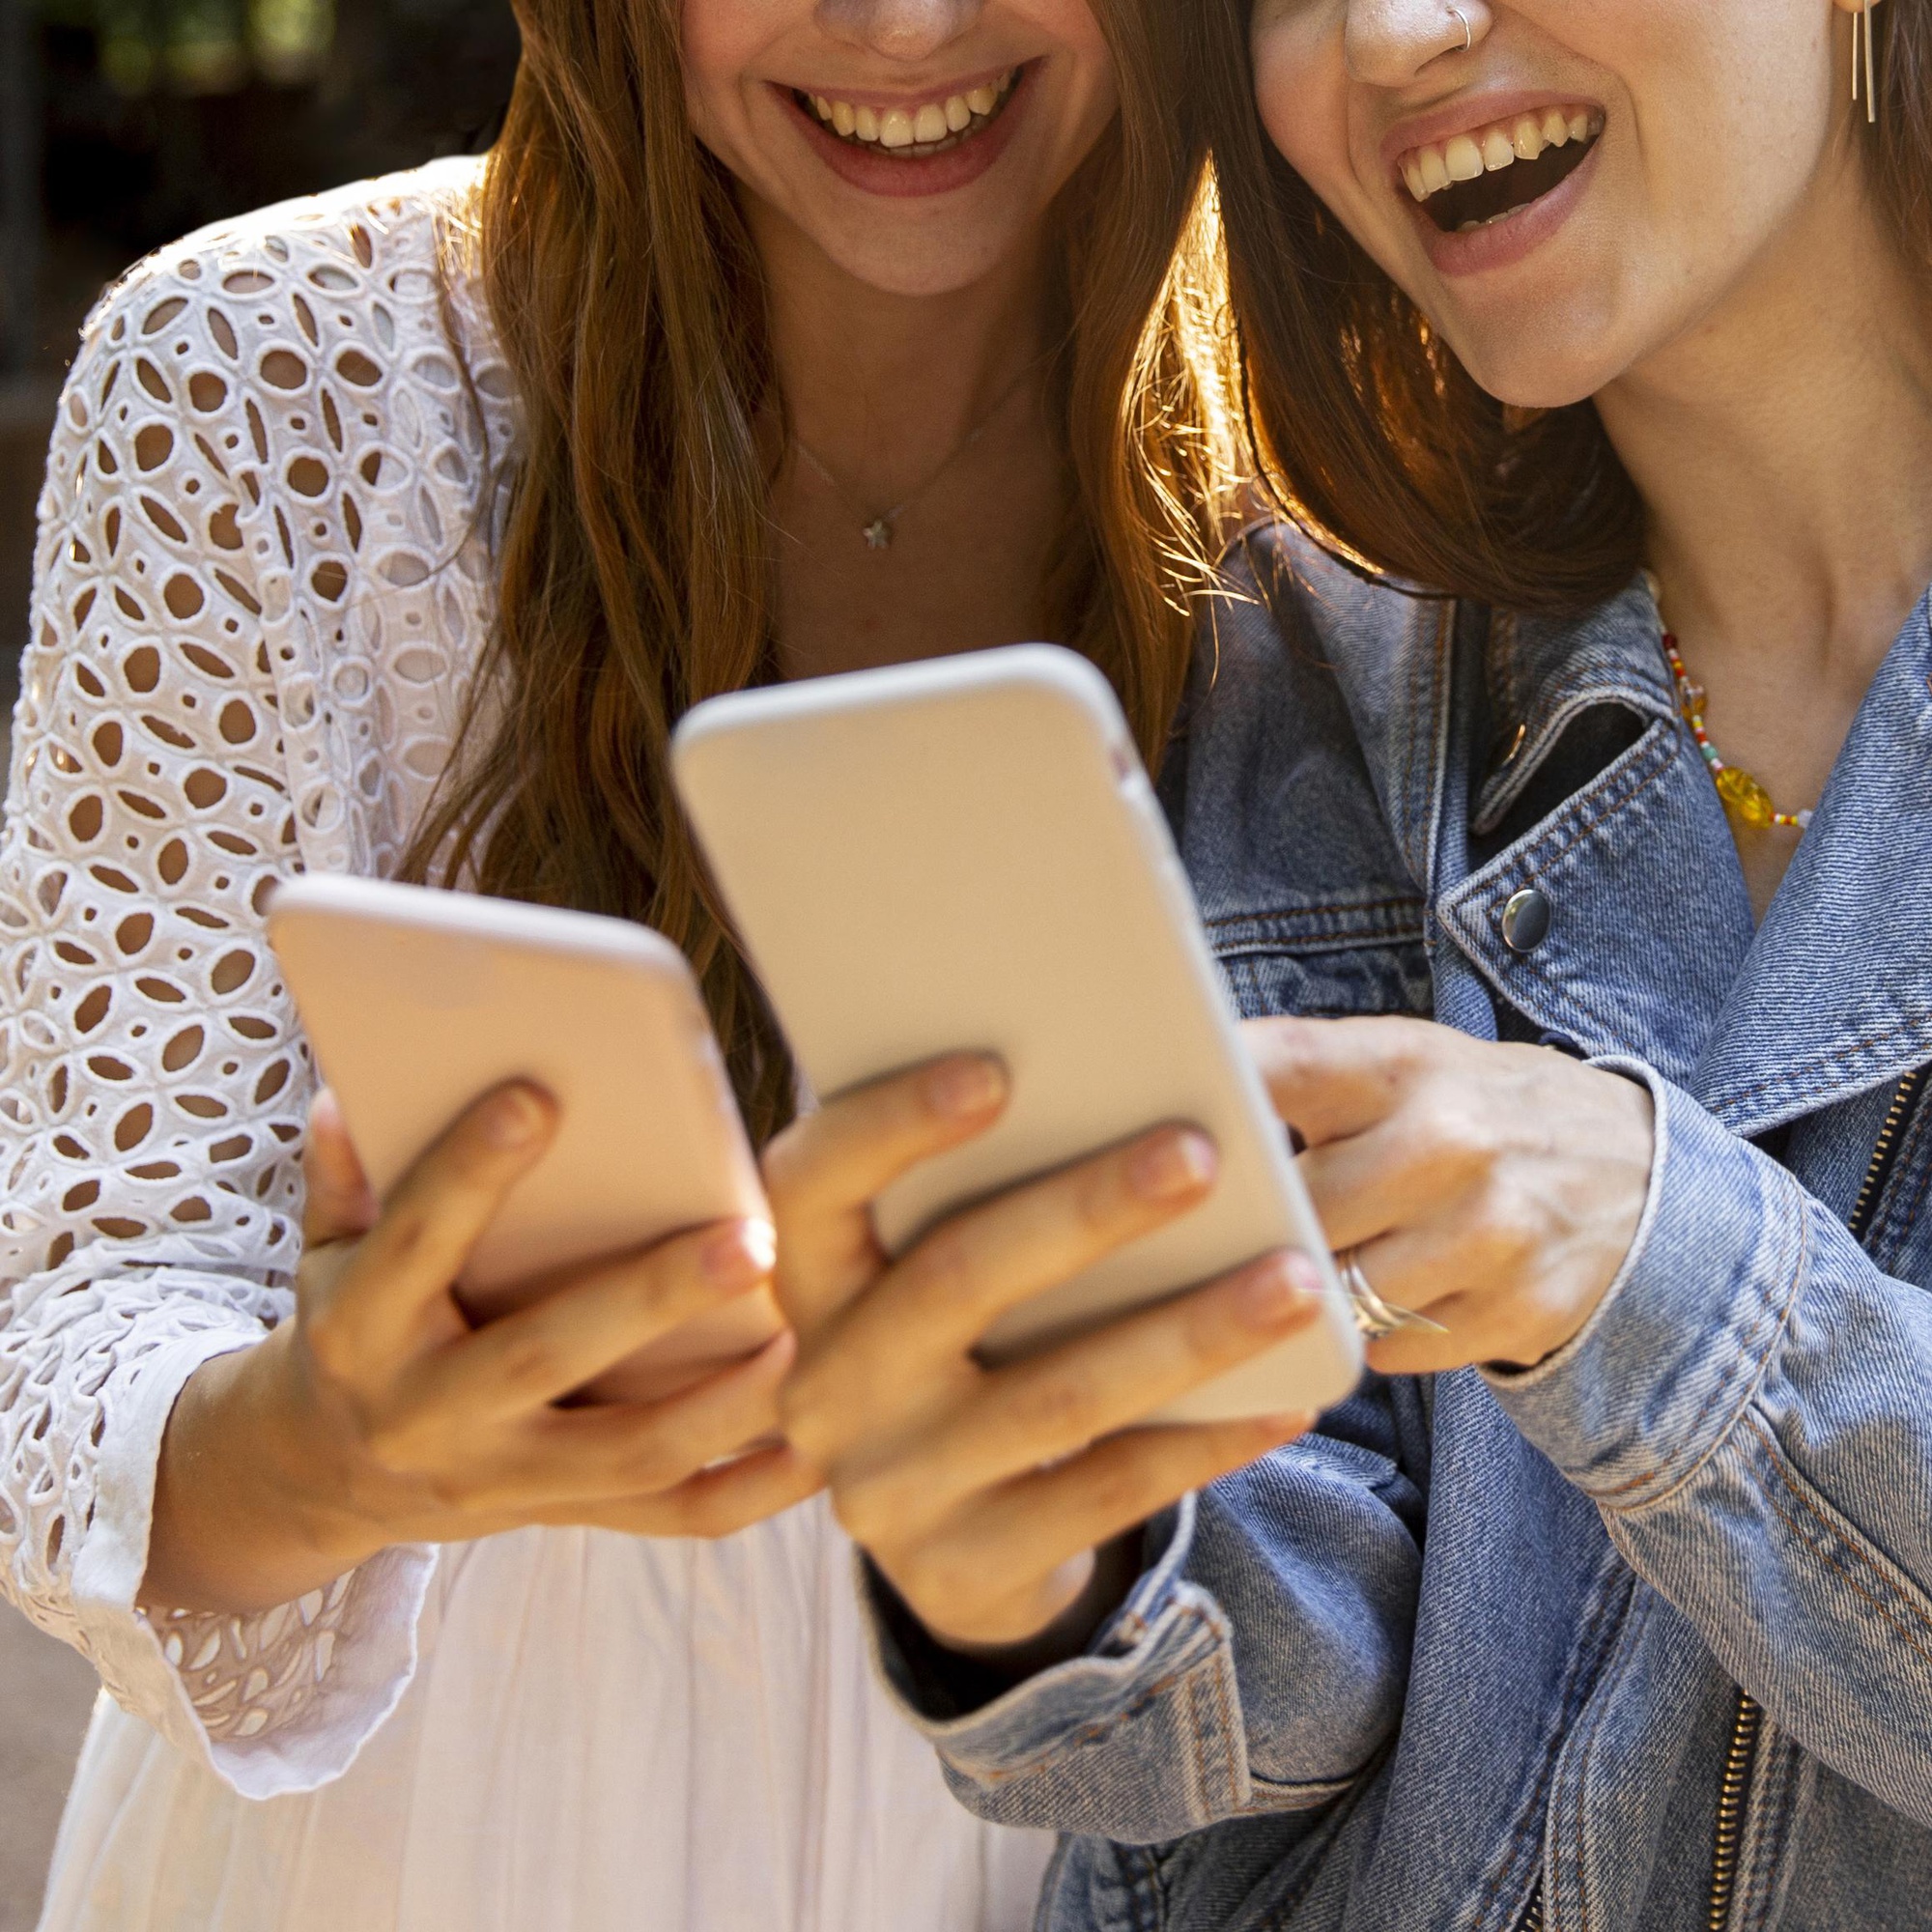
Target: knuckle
940 1269
1121 1488
786 1161
529 1363
1060 1405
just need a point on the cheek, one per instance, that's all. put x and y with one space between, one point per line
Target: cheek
720 40
1303 105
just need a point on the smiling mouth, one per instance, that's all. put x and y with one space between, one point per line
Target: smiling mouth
1474 180
919 129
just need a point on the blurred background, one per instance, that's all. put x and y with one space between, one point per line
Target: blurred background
123 123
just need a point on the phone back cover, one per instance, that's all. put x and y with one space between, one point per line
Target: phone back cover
967 854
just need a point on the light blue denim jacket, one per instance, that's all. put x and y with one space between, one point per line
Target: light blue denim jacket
1468 1656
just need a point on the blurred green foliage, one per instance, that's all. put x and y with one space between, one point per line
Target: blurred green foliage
202 47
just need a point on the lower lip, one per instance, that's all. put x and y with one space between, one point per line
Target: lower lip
1505 243
910 180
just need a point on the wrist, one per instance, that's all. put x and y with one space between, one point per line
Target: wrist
249 1512
1101 1585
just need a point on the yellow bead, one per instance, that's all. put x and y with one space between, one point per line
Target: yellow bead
1744 796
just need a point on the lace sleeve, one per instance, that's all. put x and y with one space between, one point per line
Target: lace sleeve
156 1086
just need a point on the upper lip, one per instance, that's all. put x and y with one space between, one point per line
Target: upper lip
1469 112
883 101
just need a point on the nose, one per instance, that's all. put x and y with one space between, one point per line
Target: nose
904 30
1390 41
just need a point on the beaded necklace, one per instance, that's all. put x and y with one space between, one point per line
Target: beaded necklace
1741 792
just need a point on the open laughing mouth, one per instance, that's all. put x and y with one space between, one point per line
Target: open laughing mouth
917 130
1475 180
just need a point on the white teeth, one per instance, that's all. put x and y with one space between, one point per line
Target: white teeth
931 123
1427 170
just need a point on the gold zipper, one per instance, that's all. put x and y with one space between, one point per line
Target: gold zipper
1746 1725
1739 1761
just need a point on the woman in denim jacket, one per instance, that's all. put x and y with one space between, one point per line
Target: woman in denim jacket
1611 1606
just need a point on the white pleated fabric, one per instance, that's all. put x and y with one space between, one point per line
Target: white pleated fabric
603 1735
264 583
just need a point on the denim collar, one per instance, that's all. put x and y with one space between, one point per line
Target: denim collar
1652 949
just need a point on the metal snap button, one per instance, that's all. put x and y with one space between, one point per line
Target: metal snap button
1526 921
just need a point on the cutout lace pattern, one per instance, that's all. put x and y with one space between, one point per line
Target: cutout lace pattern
262 585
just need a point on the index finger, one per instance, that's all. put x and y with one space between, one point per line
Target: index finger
409 1262
1332 1079
825 1171
338 1203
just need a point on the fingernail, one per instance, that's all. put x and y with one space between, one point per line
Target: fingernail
516 1118
1174 1164
737 1256
1277 1291
963 1088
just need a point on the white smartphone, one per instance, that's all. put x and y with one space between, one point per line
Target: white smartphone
966 854
418 1002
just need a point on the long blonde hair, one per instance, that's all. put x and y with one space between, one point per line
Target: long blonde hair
634 566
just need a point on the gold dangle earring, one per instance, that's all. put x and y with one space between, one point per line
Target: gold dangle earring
1862 47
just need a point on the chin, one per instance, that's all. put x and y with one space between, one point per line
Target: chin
919 264
1534 364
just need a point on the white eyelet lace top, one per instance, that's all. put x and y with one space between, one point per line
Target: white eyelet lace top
263 580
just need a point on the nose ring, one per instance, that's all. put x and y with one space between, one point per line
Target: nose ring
1463 22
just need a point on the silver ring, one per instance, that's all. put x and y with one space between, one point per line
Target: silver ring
1463 22
1377 1318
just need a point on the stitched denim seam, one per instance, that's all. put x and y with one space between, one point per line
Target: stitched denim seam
1775 1466
1230 1775
1149 1695
1793 1078
1894 1222
1763 1872
1403 903
1782 1315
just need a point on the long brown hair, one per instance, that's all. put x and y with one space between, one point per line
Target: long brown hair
1379 442
628 299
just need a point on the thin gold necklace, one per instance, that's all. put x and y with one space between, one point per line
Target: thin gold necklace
879 530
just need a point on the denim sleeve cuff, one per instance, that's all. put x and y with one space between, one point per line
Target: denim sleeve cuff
1672 1356
1157 1679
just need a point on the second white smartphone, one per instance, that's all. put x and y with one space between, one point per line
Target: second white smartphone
966 854
418 1003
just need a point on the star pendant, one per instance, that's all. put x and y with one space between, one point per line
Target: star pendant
878 534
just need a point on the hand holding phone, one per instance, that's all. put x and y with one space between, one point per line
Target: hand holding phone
417 1002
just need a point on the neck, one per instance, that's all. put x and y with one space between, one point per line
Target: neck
1783 447
884 386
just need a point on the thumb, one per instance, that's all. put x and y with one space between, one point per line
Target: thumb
341 1204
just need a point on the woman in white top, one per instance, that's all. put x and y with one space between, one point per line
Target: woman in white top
387 533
